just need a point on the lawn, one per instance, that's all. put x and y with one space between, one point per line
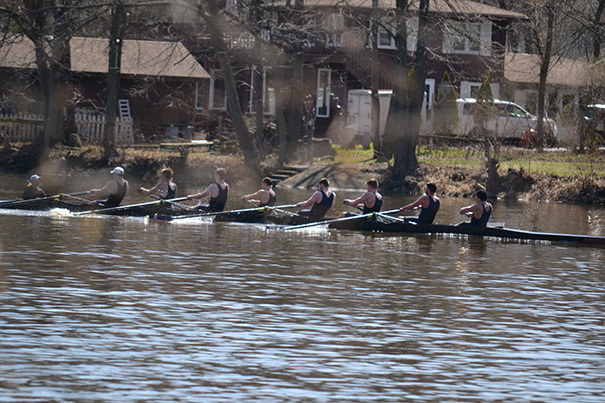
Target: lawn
560 163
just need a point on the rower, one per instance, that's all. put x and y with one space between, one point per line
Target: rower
165 188
320 202
429 203
371 200
33 189
480 211
265 196
115 190
218 192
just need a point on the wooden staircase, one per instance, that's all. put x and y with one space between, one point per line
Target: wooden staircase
286 172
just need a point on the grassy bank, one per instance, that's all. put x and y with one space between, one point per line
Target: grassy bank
549 175
559 163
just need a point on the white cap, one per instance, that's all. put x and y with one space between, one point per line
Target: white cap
118 170
34 178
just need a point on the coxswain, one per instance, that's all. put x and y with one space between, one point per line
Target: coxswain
33 189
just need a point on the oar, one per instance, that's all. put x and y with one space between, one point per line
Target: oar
14 202
246 210
180 205
118 208
354 217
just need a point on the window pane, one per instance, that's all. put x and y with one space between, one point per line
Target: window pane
219 93
323 91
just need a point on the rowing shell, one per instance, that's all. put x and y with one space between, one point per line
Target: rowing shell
374 225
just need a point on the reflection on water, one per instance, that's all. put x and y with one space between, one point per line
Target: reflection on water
122 309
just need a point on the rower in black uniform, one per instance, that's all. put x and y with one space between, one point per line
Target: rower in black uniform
265 196
480 211
218 192
371 200
115 190
429 203
321 201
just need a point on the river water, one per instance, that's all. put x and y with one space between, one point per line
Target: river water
119 309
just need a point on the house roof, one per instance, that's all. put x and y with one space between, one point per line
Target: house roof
449 7
523 68
17 52
90 55
139 58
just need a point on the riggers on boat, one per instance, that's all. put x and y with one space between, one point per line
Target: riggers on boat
382 223
137 210
275 215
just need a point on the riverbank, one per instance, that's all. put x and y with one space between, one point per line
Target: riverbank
457 173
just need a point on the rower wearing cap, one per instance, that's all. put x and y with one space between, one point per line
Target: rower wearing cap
33 189
114 190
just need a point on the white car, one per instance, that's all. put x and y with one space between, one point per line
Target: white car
512 124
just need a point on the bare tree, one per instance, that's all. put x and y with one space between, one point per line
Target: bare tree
210 13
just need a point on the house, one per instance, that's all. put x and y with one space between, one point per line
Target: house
468 40
160 80
565 82
160 86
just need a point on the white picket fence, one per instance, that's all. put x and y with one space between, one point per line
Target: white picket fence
91 128
22 127
25 127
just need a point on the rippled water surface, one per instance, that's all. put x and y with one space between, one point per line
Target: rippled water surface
123 310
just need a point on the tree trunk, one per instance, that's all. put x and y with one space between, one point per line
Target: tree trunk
376 141
113 79
246 142
544 66
282 133
598 38
297 83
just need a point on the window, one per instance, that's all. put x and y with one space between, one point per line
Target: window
469 89
268 93
323 93
471 38
386 35
309 40
218 94
333 24
199 96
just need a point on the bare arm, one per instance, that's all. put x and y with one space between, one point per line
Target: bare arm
422 202
470 209
161 187
210 190
257 197
110 188
311 201
361 199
